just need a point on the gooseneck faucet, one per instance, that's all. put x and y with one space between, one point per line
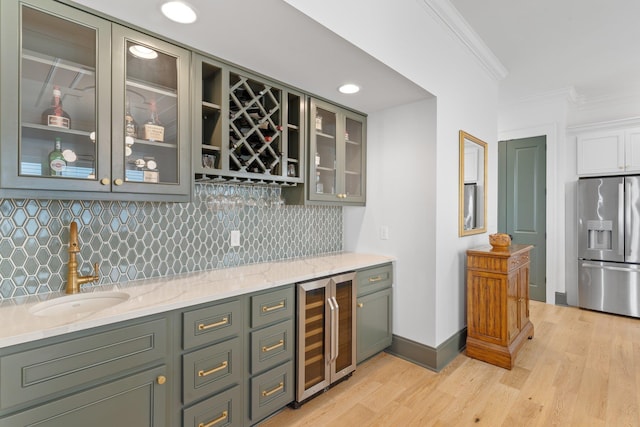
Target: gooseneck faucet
74 279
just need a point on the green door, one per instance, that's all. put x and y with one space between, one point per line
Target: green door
522 202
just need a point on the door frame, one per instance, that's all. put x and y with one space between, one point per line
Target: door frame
555 259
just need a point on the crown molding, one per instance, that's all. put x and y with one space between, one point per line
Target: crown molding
445 13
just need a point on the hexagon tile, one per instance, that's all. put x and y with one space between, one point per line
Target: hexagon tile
138 240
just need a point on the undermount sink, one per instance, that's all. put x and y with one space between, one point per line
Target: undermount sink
78 304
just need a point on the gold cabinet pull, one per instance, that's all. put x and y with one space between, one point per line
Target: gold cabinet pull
266 393
266 349
105 181
266 309
203 327
118 181
161 379
222 417
360 305
214 370
375 279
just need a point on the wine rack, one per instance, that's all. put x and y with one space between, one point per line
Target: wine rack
314 336
255 126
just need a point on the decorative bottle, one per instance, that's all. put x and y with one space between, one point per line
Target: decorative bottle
153 129
57 163
55 115
130 125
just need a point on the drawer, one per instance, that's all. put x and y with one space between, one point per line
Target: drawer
374 279
272 306
210 324
272 345
271 391
41 371
223 409
211 369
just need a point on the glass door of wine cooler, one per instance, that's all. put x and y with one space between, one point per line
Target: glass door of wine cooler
150 107
313 338
344 358
52 109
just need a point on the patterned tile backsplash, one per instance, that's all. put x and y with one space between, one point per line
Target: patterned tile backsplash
139 240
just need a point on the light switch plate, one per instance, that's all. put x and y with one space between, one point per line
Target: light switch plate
235 237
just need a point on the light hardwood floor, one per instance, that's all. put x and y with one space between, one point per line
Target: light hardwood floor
582 368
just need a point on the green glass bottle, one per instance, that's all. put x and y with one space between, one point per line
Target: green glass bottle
57 163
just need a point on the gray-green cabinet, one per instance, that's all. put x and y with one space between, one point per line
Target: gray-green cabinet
68 80
116 375
245 126
374 310
269 352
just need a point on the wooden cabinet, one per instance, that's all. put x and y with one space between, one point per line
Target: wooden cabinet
118 370
53 54
374 311
269 352
611 152
498 322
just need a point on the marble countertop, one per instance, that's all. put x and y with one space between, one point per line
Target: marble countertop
152 296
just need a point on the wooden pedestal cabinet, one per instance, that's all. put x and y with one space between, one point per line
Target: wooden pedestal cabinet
498 303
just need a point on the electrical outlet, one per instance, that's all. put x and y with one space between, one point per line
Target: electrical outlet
235 237
384 232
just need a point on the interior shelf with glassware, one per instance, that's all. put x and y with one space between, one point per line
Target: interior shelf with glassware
250 130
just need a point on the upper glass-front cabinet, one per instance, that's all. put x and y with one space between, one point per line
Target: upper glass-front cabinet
338 150
82 116
150 107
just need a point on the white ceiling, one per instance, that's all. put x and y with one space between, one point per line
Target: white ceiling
275 39
592 46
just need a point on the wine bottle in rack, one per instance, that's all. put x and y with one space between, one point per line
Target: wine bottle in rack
54 115
153 129
57 163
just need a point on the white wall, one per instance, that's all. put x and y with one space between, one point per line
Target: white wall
430 306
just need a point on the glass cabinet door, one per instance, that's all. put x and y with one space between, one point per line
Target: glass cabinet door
150 107
54 103
324 130
353 170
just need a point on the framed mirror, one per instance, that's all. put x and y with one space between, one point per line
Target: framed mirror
472 201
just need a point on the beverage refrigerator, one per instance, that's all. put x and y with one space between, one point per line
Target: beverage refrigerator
609 244
326 333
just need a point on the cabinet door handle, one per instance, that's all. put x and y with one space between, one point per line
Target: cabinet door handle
118 181
105 181
266 393
222 417
375 279
266 309
360 305
266 349
161 379
203 327
214 370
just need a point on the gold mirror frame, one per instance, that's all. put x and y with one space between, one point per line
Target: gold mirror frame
472 187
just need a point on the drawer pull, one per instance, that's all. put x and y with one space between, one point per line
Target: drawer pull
216 421
266 393
266 309
266 349
203 327
375 279
214 370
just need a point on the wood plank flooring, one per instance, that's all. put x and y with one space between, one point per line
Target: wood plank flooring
581 369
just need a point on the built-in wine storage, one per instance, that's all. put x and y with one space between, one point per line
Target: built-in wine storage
326 333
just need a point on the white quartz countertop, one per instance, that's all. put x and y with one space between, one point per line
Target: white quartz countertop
152 296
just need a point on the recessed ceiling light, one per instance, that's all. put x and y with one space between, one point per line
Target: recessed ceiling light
179 11
143 52
349 88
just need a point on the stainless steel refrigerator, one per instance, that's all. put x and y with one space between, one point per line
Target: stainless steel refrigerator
609 244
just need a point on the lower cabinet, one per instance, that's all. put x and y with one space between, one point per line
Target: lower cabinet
116 375
270 348
374 310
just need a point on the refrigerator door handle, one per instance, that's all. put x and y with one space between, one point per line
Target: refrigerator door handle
621 216
332 346
336 332
609 267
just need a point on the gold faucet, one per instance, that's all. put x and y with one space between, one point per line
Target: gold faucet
74 280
